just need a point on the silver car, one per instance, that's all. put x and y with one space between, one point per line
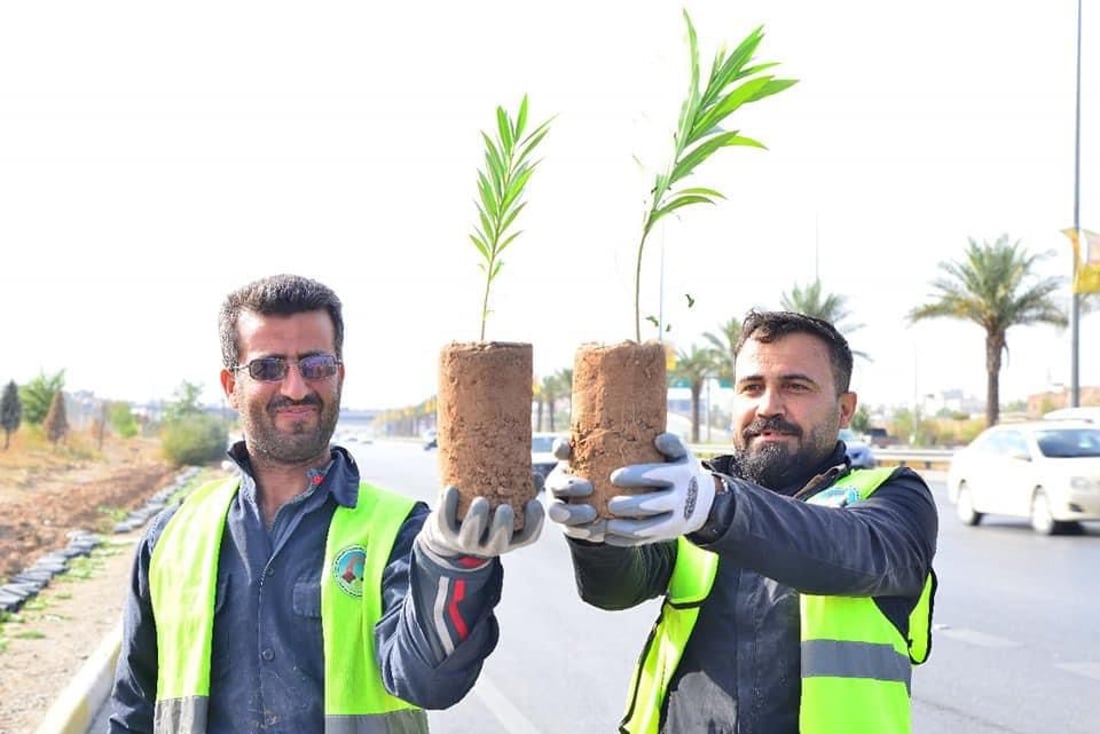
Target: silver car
859 451
1047 471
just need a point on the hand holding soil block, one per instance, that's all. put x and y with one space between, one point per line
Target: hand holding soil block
484 423
619 406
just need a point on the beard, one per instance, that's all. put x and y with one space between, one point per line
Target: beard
775 465
303 443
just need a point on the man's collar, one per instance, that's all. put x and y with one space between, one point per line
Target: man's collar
340 476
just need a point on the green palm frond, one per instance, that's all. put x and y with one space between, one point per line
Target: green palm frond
500 186
733 82
812 300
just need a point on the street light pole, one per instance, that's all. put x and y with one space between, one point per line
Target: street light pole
1075 300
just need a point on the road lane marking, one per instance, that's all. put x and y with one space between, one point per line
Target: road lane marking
974 637
1089 670
511 718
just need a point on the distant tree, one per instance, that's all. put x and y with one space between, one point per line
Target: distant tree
185 402
695 367
37 395
546 393
56 422
861 421
99 426
994 286
11 412
565 381
724 341
833 308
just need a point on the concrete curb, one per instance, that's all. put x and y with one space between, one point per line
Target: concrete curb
73 710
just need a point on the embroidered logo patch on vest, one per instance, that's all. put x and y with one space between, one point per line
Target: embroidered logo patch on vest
347 569
837 497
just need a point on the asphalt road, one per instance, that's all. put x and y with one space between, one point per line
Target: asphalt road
1015 649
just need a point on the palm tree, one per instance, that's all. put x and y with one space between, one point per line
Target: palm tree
828 306
564 376
539 404
995 287
695 367
724 342
548 391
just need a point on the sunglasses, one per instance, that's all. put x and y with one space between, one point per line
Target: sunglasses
274 369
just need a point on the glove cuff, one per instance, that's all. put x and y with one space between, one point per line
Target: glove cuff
448 561
720 516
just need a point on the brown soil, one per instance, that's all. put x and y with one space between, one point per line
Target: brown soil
484 423
619 406
44 494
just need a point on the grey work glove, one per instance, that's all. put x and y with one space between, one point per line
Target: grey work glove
477 535
578 521
680 495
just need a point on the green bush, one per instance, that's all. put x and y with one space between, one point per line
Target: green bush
122 420
194 440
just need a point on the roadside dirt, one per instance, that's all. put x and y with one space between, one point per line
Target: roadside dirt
45 494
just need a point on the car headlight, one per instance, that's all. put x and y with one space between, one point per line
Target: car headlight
1084 483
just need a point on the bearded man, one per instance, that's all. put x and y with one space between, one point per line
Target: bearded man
797 591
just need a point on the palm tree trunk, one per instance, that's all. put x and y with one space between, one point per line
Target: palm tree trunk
994 347
696 389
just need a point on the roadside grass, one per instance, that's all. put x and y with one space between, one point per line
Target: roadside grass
7 619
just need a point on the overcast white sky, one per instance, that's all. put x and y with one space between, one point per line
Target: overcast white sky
154 156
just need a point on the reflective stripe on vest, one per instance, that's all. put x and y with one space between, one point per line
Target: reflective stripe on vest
833 667
183 577
856 665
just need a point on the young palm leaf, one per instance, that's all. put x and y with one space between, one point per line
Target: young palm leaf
734 80
500 187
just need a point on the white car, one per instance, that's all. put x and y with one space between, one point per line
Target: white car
542 452
1090 413
1047 471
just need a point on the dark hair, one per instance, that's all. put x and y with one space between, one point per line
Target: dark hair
767 326
276 295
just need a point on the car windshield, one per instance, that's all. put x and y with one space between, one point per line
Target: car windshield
542 444
1069 443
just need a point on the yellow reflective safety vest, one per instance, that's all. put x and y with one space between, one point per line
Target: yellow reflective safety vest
856 665
183 572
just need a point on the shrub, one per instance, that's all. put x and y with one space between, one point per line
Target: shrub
194 440
122 420
56 422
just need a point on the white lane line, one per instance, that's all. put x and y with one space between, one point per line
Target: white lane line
511 718
1090 670
974 637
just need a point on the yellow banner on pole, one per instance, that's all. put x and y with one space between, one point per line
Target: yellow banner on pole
1086 261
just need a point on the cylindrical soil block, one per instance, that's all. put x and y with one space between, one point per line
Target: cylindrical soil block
484 423
620 404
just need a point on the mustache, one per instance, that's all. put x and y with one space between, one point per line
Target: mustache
772 423
284 402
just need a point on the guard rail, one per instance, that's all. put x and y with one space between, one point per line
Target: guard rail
916 458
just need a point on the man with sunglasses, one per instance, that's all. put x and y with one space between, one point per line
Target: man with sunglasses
293 597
